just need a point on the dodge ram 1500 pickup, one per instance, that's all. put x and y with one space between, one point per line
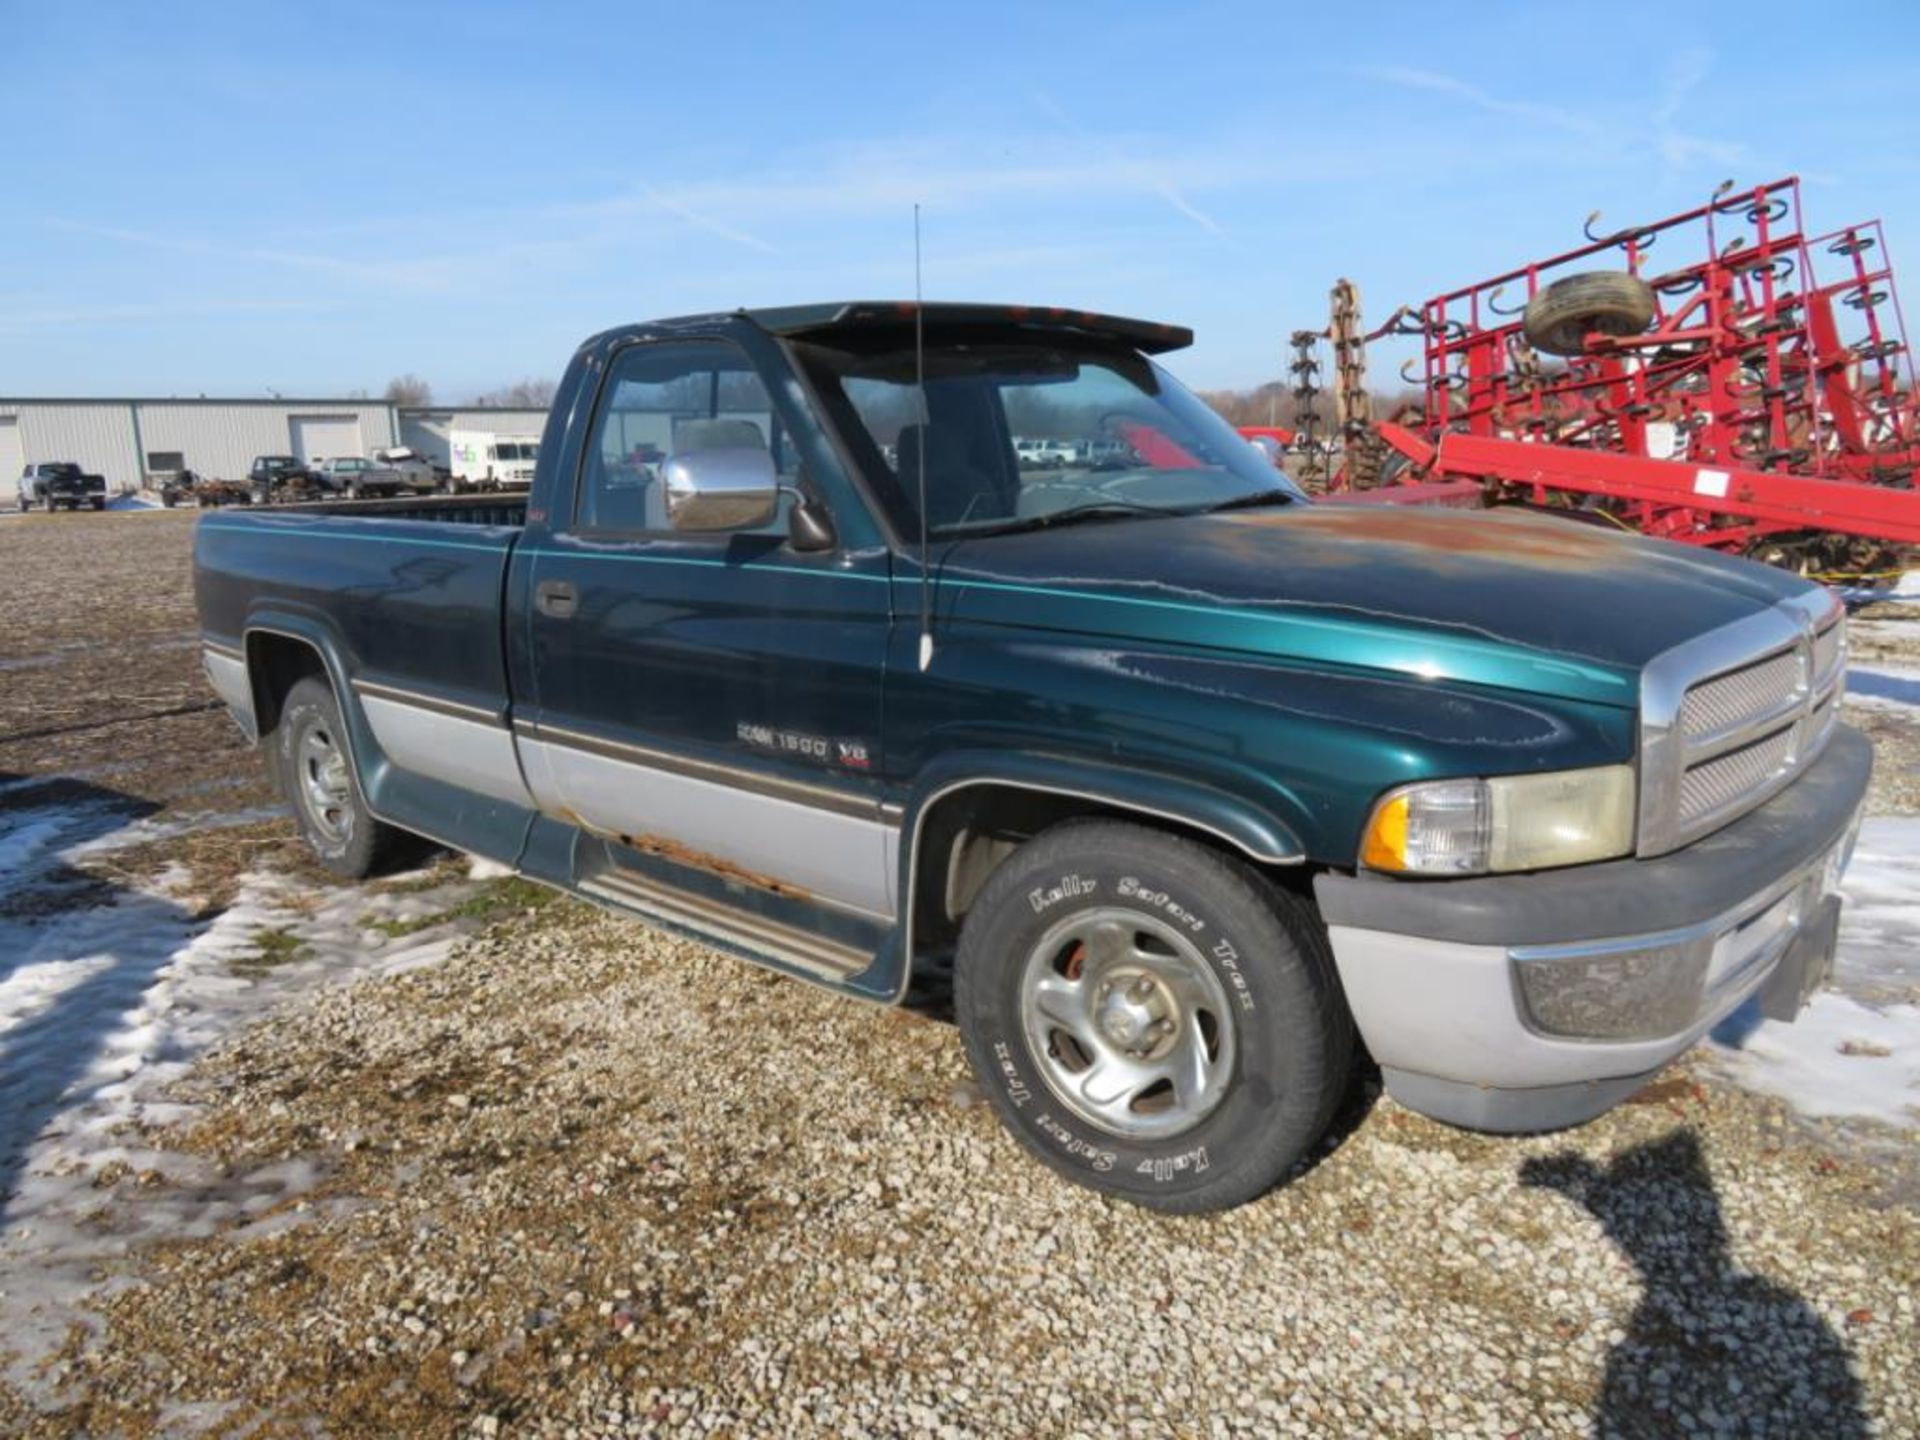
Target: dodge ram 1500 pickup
1196 784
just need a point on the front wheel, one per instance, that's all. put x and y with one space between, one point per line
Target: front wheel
314 767
1151 1018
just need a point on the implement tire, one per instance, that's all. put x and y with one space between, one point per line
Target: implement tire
1559 319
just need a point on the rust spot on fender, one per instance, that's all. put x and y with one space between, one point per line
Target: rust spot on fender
1445 537
667 849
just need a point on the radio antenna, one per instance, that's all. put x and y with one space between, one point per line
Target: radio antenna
920 445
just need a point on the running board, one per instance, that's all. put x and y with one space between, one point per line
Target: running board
785 944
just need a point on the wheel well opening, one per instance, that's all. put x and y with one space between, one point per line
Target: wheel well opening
966 836
275 663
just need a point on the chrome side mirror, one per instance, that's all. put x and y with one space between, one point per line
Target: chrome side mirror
726 489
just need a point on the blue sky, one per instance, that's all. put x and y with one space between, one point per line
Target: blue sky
231 199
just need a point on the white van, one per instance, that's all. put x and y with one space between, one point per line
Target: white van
482 460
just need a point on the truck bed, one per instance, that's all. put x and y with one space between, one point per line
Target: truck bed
500 510
388 588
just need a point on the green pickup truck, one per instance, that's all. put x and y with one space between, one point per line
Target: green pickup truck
1196 785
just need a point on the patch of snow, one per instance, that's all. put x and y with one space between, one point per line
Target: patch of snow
1840 1058
103 1007
143 832
1855 1050
478 869
1879 959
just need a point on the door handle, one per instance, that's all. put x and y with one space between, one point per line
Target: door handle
557 598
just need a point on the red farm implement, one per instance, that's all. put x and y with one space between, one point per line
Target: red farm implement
1720 377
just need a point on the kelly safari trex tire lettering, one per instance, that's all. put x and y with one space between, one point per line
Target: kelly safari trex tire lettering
1152 1018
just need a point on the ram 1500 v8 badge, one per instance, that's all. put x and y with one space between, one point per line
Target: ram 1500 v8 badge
1196 782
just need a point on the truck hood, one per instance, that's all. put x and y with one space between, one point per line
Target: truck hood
1501 597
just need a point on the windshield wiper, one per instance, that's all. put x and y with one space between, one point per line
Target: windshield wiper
1278 495
1072 515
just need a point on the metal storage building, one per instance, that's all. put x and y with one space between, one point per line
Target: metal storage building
125 440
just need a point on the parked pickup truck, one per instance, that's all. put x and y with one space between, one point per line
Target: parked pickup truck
61 485
357 478
1192 781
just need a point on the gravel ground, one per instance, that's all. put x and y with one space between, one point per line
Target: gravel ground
569 1190
585 1178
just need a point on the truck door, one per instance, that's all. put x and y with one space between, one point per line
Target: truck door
711 697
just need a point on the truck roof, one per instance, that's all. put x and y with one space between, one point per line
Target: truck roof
847 317
829 317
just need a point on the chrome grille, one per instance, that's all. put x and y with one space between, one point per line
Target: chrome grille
1730 717
1743 697
1718 785
1820 722
1829 654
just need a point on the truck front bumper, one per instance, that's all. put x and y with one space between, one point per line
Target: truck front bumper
1530 1002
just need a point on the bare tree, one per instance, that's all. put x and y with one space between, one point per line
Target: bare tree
524 394
409 389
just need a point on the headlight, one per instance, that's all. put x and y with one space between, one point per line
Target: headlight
1511 822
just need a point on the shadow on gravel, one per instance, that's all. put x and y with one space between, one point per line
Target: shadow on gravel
77 952
1711 1346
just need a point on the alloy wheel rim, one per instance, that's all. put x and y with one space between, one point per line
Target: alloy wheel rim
326 790
1128 1024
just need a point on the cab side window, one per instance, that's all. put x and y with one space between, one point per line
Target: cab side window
668 399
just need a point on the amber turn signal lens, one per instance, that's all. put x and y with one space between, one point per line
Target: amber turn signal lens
1385 846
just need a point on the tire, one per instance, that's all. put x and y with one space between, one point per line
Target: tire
99 504
1559 319
1215 964
313 769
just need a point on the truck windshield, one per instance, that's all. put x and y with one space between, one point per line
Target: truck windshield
1015 431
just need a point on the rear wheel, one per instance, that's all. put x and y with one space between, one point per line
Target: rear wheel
1150 1018
315 773
99 504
